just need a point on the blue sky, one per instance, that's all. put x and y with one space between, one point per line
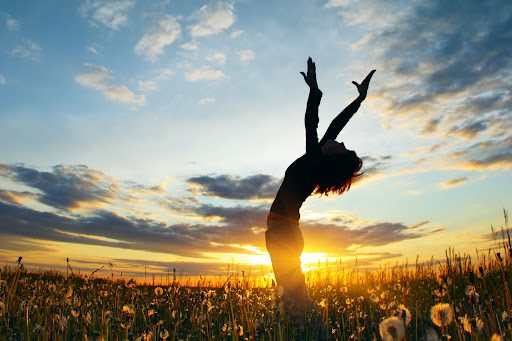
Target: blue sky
164 127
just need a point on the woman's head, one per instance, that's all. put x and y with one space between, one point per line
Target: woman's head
338 170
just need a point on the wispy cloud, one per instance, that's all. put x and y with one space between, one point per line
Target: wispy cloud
488 154
65 187
164 30
11 24
258 186
453 183
236 34
27 50
445 64
147 85
2 79
100 79
111 14
246 55
217 57
206 100
212 19
204 73
190 46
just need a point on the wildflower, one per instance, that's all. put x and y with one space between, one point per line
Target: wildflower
360 299
397 287
479 324
344 289
159 291
128 310
441 314
405 314
164 334
466 324
497 337
392 329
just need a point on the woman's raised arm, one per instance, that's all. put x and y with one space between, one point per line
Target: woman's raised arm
342 119
311 117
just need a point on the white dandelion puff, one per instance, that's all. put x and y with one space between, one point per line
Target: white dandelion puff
441 314
392 329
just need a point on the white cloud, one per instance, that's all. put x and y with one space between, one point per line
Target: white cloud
191 46
2 79
204 73
93 49
112 14
147 85
100 79
212 19
164 31
217 57
27 50
206 100
11 23
236 34
164 74
246 55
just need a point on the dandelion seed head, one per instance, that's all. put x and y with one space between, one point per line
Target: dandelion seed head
392 329
441 314
159 291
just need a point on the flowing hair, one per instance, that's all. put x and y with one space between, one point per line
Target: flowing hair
338 172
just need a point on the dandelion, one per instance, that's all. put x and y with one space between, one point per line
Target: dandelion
466 324
441 314
479 324
164 334
405 314
159 291
52 287
497 337
240 330
128 310
392 329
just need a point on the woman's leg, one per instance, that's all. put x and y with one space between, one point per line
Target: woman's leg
285 244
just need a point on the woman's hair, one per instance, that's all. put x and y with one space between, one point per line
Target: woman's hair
338 172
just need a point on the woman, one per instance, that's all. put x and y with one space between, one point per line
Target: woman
327 167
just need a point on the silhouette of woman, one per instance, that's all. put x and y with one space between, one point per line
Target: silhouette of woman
327 167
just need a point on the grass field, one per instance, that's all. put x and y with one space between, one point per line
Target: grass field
461 298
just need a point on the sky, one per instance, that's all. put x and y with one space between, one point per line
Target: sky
153 135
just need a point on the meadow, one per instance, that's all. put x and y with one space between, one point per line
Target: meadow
463 297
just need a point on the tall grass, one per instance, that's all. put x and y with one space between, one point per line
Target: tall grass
462 298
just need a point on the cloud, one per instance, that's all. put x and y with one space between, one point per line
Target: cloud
191 46
147 85
204 73
488 154
28 50
246 55
93 49
217 57
453 183
100 79
11 24
16 197
258 186
206 100
111 14
212 19
2 79
236 34
373 167
440 61
65 187
164 30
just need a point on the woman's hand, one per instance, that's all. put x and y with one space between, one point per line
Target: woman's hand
363 87
310 78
